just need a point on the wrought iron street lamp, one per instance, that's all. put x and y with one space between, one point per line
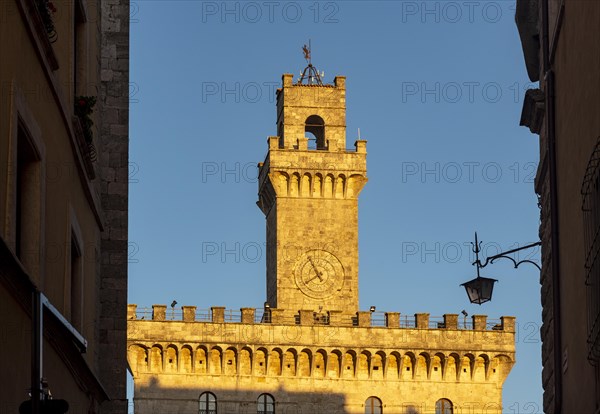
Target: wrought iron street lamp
479 290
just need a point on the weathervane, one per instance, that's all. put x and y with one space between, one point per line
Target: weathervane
310 73
306 51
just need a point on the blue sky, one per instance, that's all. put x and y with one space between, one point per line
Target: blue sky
436 88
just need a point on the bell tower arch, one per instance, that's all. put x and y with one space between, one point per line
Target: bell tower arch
316 126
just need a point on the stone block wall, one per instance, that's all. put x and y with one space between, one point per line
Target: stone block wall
310 199
114 175
295 103
306 366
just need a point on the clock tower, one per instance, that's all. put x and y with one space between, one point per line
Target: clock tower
308 190
314 350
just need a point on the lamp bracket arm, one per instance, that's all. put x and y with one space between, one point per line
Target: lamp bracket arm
504 255
515 263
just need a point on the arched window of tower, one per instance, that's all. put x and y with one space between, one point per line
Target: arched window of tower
315 132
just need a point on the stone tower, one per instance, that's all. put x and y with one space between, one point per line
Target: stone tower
312 350
308 191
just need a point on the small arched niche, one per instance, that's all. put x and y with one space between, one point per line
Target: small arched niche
316 126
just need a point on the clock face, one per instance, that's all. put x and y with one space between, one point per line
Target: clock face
319 274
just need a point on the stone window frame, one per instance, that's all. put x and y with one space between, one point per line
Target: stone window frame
22 121
373 405
590 207
75 278
444 406
210 405
80 51
262 407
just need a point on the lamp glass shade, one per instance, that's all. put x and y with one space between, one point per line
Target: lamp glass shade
480 289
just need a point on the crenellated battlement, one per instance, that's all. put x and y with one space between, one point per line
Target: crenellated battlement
247 346
362 319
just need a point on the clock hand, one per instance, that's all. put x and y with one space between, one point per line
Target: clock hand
319 274
313 278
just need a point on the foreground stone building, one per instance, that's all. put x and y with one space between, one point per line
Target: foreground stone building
311 349
562 51
63 203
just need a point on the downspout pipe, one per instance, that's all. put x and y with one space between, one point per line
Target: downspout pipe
549 80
